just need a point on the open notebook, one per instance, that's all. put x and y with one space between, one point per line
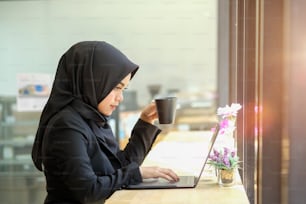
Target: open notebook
185 181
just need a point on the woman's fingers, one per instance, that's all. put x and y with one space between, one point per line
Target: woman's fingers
168 174
149 113
157 172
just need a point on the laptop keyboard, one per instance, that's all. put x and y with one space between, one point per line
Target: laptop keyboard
186 180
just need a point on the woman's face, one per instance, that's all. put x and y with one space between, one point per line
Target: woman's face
113 99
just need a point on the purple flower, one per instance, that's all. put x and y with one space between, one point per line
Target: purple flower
224 158
226 161
216 152
233 153
226 151
213 157
224 123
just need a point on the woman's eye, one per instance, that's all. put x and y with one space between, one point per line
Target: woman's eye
119 88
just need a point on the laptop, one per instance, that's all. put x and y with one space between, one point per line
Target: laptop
185 181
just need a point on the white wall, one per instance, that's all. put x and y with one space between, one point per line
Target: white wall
173 41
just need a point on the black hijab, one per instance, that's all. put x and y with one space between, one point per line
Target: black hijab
86 73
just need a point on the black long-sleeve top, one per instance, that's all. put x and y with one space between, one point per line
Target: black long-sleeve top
82 161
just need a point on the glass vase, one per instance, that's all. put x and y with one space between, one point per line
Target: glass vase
226 177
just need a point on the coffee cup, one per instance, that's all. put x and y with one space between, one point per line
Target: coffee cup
166 109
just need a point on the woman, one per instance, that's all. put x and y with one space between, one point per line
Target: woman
74 145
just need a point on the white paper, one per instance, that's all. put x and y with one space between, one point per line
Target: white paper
33 91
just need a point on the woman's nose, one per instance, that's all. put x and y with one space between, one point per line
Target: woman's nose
120 96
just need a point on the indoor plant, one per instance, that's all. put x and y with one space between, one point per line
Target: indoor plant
228 115
225 159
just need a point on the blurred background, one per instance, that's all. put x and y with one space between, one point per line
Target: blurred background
173 42
208 53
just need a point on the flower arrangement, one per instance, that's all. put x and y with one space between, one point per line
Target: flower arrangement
225 158
228 116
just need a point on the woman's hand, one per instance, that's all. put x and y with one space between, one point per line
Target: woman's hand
156 172
149 113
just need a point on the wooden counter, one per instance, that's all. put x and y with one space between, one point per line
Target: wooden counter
183 152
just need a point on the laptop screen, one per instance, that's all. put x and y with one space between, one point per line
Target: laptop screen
210 147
